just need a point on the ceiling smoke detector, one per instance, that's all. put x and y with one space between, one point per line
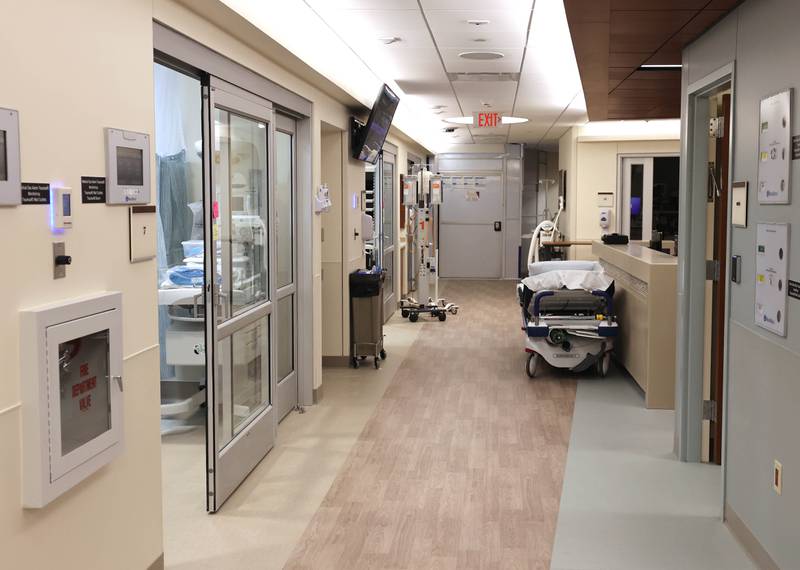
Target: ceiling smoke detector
389 40
481 55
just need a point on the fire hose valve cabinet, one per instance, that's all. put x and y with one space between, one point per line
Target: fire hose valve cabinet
71 374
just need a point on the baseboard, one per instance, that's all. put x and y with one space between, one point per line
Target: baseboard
749 542
317 395
158 564
335 361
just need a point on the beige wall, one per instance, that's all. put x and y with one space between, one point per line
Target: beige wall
85 66
592 167
90 68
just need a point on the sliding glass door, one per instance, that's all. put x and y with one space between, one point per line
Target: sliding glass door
239 254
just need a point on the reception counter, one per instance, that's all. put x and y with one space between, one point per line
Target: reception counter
646 304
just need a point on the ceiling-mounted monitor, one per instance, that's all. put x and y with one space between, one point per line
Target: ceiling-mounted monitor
367 140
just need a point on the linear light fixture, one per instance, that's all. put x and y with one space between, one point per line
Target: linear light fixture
459 120
513 120
660 67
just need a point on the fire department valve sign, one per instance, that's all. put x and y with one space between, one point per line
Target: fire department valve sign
84 394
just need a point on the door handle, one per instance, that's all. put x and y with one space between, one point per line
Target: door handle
498 226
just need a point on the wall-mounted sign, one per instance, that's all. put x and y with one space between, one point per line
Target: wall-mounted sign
794 289
774 146
93 190
35 193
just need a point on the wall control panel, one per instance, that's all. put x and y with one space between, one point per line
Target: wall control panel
127 167
775 148
10 176
61 202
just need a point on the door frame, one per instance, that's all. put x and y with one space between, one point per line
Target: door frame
282 125
176 50
692 268
619 209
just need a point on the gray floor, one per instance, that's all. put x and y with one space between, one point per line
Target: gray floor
627 503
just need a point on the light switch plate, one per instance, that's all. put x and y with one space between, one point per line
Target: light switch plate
142 233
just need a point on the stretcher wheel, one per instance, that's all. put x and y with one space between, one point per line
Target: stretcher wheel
377 363
356 363
413 317
404 313
532 365
383 354
442 316
603 364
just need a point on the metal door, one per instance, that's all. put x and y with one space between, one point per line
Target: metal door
471 226
240 286
286 254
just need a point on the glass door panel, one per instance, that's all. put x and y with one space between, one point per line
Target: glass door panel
387 232
285 220
242 422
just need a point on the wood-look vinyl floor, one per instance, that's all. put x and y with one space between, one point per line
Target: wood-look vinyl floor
461 465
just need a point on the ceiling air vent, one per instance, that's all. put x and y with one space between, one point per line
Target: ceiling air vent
483 76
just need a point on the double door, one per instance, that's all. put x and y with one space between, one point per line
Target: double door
249 282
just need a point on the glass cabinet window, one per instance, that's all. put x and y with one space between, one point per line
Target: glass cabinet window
240 211
85 400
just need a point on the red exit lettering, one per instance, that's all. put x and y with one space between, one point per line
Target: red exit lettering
488 120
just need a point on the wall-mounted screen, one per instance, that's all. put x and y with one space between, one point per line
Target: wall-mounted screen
130 166
3 158
369 141
66 203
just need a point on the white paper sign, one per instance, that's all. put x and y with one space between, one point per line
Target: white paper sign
772 269
774 149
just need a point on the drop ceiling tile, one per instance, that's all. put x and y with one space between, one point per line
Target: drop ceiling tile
506 28
653 5
509 64
478 5
396 5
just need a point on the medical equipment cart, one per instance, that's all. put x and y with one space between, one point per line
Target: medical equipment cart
366 317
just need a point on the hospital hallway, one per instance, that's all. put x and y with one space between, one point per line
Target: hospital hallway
449 456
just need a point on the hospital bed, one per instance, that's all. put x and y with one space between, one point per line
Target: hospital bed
568 316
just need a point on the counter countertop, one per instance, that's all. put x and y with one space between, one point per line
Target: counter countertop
634 250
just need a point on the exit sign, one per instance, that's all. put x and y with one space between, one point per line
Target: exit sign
486 120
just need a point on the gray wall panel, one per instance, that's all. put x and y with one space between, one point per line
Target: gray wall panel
763 408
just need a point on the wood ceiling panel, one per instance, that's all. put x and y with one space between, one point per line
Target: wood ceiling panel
645 31
612 38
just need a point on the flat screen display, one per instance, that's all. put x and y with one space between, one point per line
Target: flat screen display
3 158
130 166
371 138
66 204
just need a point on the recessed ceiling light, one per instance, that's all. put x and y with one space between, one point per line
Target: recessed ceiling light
459 120
388 40
479 22
513 120
481 55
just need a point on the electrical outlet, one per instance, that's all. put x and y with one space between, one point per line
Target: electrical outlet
777 477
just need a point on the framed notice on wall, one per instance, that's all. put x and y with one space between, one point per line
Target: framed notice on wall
772 276
775 148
